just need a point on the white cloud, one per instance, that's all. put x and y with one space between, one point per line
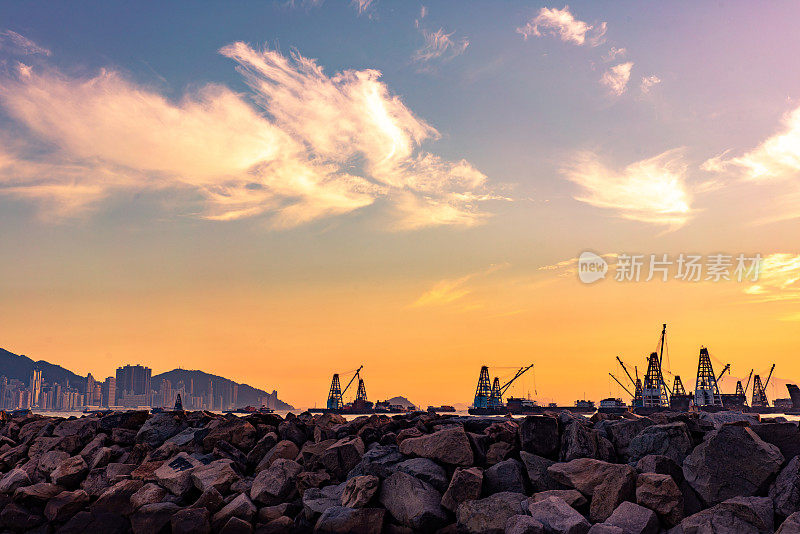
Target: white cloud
648 82
653 190
16 44
449 291
779 278
439 44
324 145
616 78
362 5
614 53
562 22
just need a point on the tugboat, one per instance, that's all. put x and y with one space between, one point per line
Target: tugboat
612 405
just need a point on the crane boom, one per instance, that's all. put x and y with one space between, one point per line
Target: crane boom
768 377
748 381
726 368
626 371
351 380
521 371
661 352
620 384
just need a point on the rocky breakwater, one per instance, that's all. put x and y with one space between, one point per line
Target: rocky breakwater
198 472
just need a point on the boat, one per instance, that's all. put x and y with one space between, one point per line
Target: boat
520 406
249 410
489 398
441 409
580 406
612 405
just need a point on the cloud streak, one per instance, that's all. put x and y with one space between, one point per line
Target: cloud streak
563 24
652 190
454 290
15 44
438 45
318 146
616 78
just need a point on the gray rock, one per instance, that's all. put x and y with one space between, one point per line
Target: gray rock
785 492
276 484
660 494
117 498
621 432
317 500
36 494
235 430
176 473
465 485
210 499
655 463
580 441
505 476
732 461
412 503
558 517
70 472
791 525
379 461
153 517
191 521
717 419
343 456
539 435
785 436
283 449
608 484
634 519
148 494
572 497
605 528
261 448
671 440
236 525
343 520
16 478
241 506
523 524
65 505
739 515
536 466
426 470
359 491
491 514
219 474
17 518
50 460
449 446
160 427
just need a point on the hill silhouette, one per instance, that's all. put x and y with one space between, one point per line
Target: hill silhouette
20 367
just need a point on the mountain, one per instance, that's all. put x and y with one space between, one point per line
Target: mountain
402 401
247 395
20 367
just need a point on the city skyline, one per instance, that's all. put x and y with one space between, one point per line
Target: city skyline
280 191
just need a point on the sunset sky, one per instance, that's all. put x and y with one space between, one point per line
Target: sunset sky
277 191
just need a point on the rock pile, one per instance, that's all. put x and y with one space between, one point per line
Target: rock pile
199 472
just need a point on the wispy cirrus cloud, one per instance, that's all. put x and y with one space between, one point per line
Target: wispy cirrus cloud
454 290
318 146
778 279
440 45
563 24
617 77
362 6
13 43
648 82
652 190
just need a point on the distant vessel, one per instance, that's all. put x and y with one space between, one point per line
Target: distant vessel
489 398
441 409
580 406
249 409
612 405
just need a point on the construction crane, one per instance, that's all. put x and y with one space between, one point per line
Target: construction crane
726 368
620 384
748 381
336 392
760 391
496 397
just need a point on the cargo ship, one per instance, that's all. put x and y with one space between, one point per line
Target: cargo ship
612 405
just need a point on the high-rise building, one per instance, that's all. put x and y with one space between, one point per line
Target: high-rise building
90 390
35 387
134 380
110 392
3 393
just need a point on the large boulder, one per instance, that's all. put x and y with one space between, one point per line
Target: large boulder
580 441
622 431
558 517
148 494
536 467
16 478
153 517
739 515
285 449
489 515
412 502
634 519
671 440
65 505
523 524
343 520
160 427
70 472
465 485
449 446
426 470
791 525
380 461
235 430
607 484
317 500
218 474
343 456
732 461
572 497
718 419
36 495
240 507
655 463
176 473
539 435
191 521
507 475
116 499
359 491
785 492
276 484
660 494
